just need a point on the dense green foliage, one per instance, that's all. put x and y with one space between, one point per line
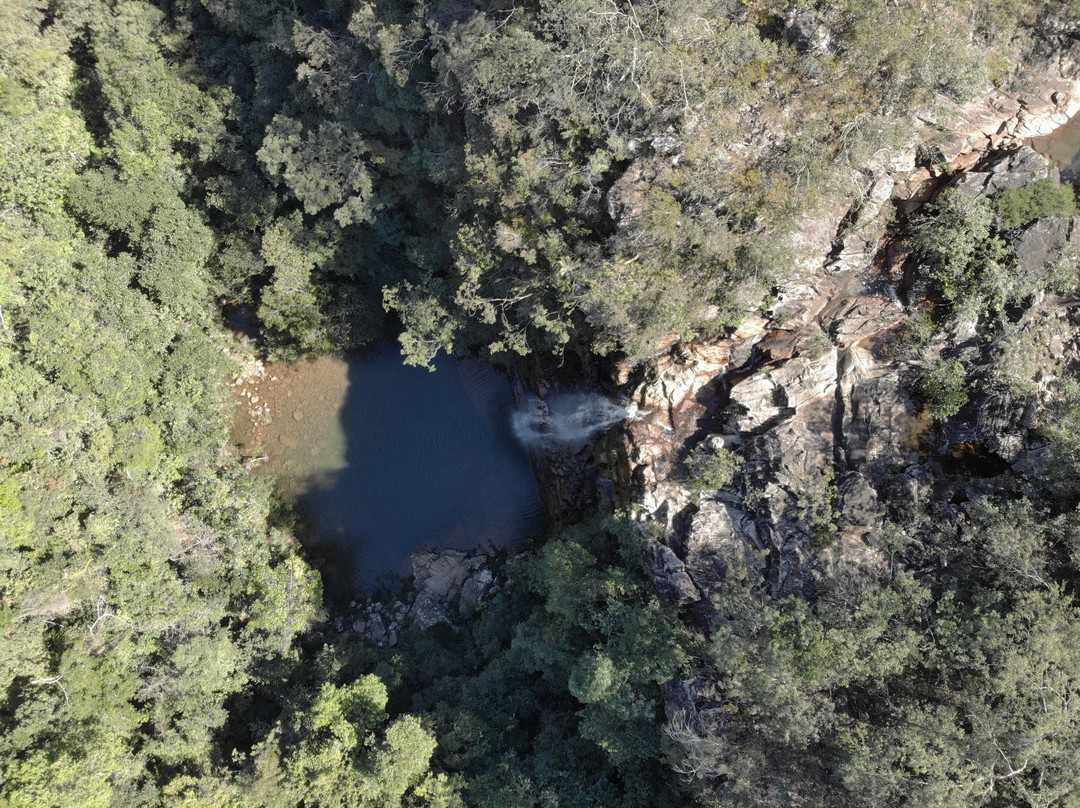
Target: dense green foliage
552 697
141 590
944 385
552 177
710 469
968 257
891 689
969 261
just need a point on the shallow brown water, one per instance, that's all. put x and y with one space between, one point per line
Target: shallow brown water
301 437
1062 148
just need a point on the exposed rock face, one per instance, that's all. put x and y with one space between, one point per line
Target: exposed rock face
859 504
1010 169
678 398
439 573
1040 245
999 425
813 393
626 199
814 403
666 144
669 574
439 577
805 31
474 589
722 540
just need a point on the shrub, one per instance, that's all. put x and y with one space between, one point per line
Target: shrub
951 235
945 386
712 468
1047 197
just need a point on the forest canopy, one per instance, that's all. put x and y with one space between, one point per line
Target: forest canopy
500 180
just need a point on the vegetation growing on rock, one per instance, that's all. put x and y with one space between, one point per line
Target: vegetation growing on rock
874 611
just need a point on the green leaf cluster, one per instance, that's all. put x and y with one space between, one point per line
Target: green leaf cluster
144 593
1016 207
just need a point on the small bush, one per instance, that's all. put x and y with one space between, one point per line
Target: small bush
945 387
816 346
710 470
1062 278
1047 197
1021 356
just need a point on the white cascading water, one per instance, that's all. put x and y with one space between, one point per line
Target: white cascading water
568 419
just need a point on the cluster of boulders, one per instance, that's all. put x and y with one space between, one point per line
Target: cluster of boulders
446 586
250 374
376 622
449 583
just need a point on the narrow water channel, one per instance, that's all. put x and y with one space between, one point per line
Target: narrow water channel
380 459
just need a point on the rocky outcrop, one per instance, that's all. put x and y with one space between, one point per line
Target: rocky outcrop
439 578
669 574
859 504
1042 244
677 399
822 396
251 372
626 199
1005 169
723 540
1000 425
805 31
814 395
378 623
446 585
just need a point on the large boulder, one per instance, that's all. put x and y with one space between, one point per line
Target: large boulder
669 574
474 589
858 500
806 31
875 416
1041 244
626 200
855 318
440 578
722 540
1000 425
908 493
441 573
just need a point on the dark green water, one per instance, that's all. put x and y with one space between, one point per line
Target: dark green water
381 459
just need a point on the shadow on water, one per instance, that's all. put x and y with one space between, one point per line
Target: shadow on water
430 461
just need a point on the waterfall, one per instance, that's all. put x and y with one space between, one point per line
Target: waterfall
567 419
